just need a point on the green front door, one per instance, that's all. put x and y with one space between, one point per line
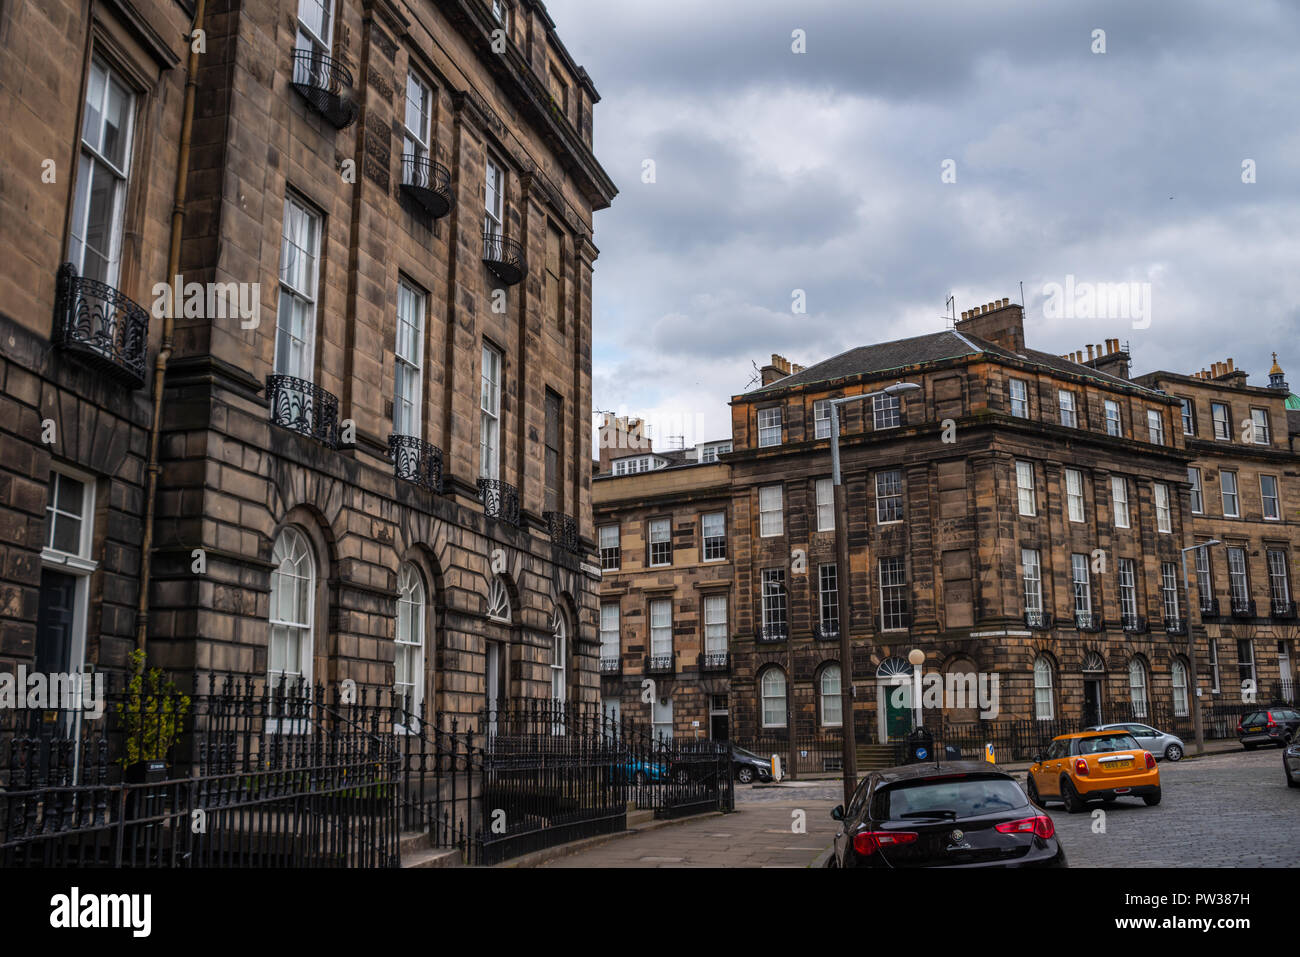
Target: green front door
898 718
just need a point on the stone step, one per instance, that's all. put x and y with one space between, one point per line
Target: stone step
433 857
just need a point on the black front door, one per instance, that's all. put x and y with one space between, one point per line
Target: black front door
718 727
1091 701
55 623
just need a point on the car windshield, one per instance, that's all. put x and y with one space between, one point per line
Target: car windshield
944 798
1106 742
742 753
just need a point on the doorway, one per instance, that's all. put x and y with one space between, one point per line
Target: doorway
719 729
495 683
1091 701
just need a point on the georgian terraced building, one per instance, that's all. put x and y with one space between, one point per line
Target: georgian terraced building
369 423
1021 514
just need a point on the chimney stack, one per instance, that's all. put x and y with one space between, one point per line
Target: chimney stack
1000 322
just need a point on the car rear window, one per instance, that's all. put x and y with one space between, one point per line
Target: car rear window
1102 743
964 797
1255 717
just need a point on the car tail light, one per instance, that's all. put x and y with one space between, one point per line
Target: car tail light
867 843
1041 825
1271 722
1151 761
1081 767
1240 728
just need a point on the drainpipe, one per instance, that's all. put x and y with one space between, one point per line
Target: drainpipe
152 468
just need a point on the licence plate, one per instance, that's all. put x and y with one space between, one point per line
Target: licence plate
1256 727
1123 765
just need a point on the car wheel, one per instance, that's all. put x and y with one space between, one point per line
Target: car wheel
1174 753
1070 797
640 779
745 775
1152 799
1032 789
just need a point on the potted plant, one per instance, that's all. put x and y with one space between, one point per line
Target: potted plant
151 716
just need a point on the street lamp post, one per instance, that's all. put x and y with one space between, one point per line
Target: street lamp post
1193 680
843 580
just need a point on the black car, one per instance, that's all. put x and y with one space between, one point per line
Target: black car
1291 762
1268 726
954 814
747 767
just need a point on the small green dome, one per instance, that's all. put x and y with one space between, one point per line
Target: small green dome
1293 402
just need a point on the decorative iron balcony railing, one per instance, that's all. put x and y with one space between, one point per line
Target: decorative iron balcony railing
1039 620
101 327
564 531
428 183
500 500
326 85
1175 626
611 665
1243 608
772 632
659 664
1283 609
1087 621
714 661
416 460
826 631
1210 607
504 258
303 407
1133 624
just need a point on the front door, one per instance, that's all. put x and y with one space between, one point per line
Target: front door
1091 701
495 683
898 713
719 729
55 642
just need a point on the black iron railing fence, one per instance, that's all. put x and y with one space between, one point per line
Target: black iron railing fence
327 85
96 322
500 500
416 460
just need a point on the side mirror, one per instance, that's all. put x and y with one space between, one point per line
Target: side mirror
837 812
1038 757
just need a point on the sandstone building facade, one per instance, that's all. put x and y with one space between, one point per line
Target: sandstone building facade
373 416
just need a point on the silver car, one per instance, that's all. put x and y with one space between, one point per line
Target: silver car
1159 743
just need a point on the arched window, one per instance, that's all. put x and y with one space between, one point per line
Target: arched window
559 648
499 600
1044 708
293 607
832 703
1137 687
408 662
1178 672
772 686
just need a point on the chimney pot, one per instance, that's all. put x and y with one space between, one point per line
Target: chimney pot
1089 353
1230 363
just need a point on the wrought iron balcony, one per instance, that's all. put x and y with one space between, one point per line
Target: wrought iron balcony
326 85
1175 626
659 664
714 661
504 258
564 531
826 631
303 407
612 665
416 460
773 632
1133 624
1283 609
500 500
1210 607
1087 621
1039 620
101 327
1243 608
428 183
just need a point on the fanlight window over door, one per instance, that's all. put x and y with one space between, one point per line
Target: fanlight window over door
498 600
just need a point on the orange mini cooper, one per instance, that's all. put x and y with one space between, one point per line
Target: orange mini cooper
1093 766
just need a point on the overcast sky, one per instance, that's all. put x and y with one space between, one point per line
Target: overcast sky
823 172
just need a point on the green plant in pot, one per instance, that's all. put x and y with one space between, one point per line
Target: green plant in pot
151 716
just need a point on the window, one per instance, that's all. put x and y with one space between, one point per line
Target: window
1260 426
831 702
1074 494
769 427
822 419
1189 417
1214 665
1228 482
1128 608
315 26
715 624
610 647
661 542
489 436
1082 588
1178 678
1032 574
893 595
98 211
1119 500
553 441
1279 580
415 138
295 321
661 629
710 453
1113 424
1198 502
1238 580
498 600
1044 704
559 653
1025 488
554 296
1065 401
825 505
408 661
1204 583
1268 497
1019 398
713 533
1246 666
886 412
773 692
293 602
1164 518
889 497
1137 687
501 13
611 550
774 609
66 567
771 517
1222 427
493 198
1156 426
662 719
633 464
408 361
1169 590
828 592
69 511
